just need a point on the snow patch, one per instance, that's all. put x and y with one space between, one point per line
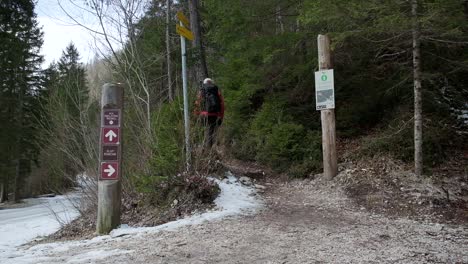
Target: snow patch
85 182
234 199
40 217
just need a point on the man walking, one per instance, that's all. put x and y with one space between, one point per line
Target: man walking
210 107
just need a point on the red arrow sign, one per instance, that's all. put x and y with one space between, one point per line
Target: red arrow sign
109 170
110 135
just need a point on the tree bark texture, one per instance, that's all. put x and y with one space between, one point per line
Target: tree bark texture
418 152
197 43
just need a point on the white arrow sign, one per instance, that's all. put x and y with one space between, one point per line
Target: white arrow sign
110 170
111 135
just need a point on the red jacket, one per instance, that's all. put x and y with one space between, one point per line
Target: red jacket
197 111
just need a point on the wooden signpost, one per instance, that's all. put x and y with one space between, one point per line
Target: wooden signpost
325 100
110 159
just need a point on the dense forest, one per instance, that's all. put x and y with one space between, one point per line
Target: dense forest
262 55
20 94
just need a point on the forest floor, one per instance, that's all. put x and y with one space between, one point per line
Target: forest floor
396 219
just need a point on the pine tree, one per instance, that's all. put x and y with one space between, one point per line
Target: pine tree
20 42
72 81
263 53
66 111
412 36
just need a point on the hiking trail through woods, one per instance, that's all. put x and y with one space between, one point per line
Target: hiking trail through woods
303 221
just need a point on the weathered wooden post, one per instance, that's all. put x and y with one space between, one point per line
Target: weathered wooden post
325 100
110 163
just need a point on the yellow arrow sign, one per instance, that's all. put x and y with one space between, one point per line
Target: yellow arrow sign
184 32
182 18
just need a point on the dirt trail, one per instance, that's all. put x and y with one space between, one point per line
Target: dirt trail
303 222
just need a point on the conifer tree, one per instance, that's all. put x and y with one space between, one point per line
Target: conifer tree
66 111
264 53
20 42
72 81
405 35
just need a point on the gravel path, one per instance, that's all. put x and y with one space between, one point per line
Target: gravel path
303 222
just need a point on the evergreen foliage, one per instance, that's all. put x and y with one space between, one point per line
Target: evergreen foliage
69 126
20 90
263 54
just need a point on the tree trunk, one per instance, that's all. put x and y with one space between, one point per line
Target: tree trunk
4 190
168 51
202 71
16 180
18 153
418 153
279 21
465 8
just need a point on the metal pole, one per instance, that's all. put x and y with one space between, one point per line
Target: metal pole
186 110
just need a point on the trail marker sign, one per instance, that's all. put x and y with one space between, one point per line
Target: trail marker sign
184 32
110 146
111 117
110 153
182 18
111 135
109 170
324 90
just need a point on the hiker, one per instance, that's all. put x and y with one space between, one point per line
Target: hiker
210 107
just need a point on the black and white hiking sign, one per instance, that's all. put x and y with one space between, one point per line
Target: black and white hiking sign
324 90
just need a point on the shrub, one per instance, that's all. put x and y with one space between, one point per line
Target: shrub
168 135
161 156
275 140
187 189
439 139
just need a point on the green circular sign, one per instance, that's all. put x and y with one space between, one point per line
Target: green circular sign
324 77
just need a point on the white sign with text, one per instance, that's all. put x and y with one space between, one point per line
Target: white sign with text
324 90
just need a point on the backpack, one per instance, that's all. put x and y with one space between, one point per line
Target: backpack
210 99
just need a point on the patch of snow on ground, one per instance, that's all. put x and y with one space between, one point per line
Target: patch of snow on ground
40 217
234 199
